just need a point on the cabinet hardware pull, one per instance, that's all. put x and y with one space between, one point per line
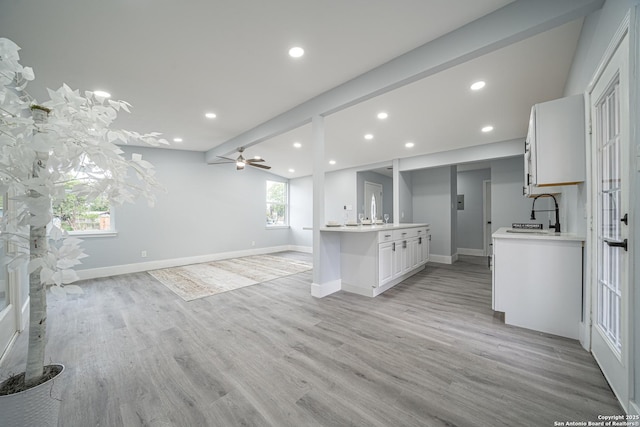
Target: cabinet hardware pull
419 240
393 247
404 244
387 235
613 244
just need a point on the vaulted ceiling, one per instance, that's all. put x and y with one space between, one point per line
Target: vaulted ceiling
176 61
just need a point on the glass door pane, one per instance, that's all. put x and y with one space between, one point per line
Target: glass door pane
609 292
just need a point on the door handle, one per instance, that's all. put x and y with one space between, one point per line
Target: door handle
614 244
625 219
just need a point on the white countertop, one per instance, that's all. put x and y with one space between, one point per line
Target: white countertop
510 233
370 228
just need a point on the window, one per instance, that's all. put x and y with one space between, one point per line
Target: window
277 204
85 208
76 213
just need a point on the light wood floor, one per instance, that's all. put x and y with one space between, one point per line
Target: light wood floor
428 352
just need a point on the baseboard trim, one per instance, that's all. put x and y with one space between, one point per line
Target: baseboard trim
472 252
95 273
321 290
443 259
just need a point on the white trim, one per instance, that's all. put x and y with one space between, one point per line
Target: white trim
94 273
633 408
321 290
472 252
443 259
24 312
622 30
486 202
373 292
92 234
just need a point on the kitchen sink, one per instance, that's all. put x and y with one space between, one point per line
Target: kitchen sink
527 231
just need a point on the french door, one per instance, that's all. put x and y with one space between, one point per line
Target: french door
8 297
610 336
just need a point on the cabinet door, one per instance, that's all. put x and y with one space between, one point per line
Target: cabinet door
398 257
427 247
423 250
385 262
412 253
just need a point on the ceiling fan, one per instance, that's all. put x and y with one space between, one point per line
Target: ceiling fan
241 162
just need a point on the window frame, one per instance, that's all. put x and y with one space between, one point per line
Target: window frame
285 204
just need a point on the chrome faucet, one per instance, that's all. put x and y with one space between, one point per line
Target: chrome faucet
533 211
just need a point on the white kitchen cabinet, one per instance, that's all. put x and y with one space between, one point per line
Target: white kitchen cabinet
374 258
537 281
386 259
554 153
407 251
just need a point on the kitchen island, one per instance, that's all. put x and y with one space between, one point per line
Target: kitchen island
374 258
537 280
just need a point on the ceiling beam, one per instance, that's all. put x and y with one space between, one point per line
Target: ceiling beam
510 24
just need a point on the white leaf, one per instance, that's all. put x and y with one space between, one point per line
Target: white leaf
73 289
57 291
35 264
27 73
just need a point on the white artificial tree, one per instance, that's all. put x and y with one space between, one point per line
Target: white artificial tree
45 146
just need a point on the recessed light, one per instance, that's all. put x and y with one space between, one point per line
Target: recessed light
177 139
478 85
297 144
409 145
101 94
382 115
368 136
296 52
487 129
210 115
292 170
332 162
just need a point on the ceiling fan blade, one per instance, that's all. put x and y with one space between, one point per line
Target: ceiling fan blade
259 166
222 162
227 158
255 160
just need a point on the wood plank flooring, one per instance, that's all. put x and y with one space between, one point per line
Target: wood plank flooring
428 352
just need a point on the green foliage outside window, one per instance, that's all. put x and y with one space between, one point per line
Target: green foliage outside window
276 214
76 214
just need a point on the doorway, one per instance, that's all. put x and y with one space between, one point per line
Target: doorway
8 294
486 216
611 340
372 199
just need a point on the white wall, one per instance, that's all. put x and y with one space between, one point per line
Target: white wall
470 231
432 203
340 189
406 198
206 209
508 205
301 211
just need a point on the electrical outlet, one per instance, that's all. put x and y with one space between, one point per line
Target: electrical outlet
253 243
143 254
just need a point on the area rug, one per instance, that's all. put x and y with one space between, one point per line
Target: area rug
202 280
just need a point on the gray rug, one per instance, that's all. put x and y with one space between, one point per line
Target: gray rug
202 280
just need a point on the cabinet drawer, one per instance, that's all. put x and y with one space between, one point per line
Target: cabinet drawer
422 232
405 233
385 236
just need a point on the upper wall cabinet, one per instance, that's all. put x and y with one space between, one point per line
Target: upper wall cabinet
554 153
